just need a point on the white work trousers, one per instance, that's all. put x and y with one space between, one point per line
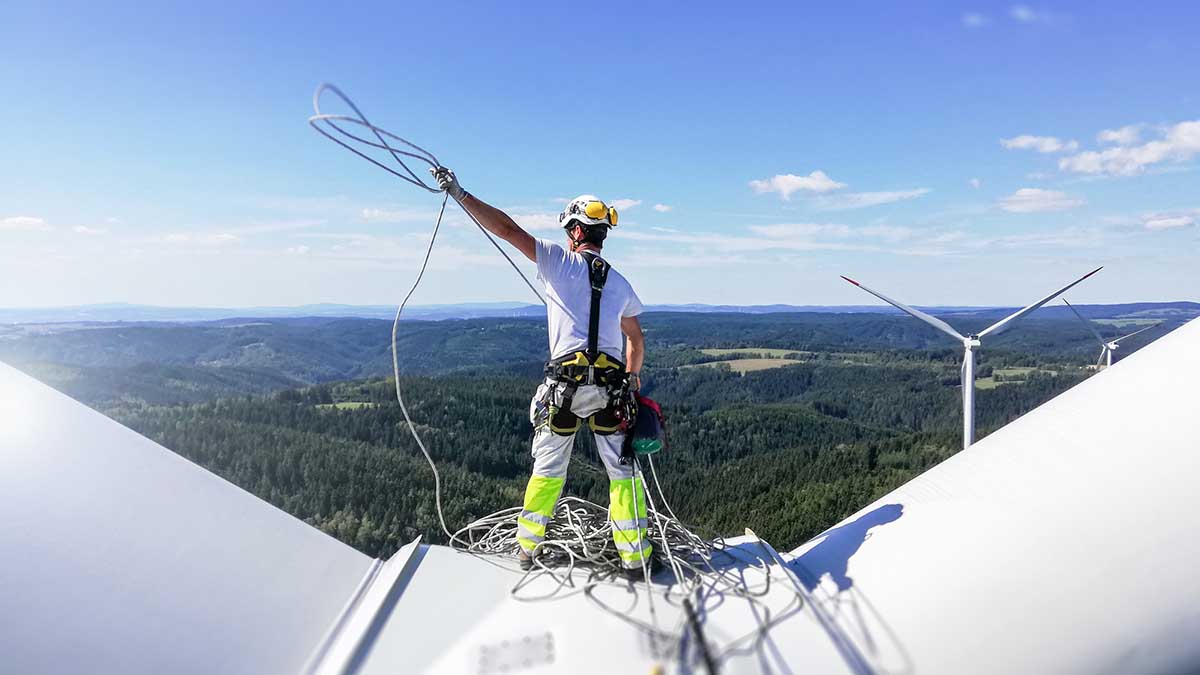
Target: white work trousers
552 452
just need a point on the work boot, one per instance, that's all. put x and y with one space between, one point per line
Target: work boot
524 560
635 574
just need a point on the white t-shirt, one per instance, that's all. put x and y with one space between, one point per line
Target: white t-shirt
569 302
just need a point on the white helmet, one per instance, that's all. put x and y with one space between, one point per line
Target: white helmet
588 210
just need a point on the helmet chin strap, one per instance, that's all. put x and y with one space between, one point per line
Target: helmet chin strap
583 240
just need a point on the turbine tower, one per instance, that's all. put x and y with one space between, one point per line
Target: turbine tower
1107 347
970 343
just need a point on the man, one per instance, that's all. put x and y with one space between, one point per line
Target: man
586 378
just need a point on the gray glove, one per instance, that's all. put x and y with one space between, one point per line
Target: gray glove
446 180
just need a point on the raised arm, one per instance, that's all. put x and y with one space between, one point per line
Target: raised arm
491 218
635 346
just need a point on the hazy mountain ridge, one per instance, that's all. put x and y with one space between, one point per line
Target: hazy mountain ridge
244 355
120 312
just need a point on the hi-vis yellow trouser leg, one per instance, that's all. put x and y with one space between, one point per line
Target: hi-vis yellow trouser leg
551 454
627 509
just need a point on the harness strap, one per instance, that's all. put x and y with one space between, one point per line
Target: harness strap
598 274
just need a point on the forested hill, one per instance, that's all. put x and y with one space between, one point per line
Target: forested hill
253 355
781 422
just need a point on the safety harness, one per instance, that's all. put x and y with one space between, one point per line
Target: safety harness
591 366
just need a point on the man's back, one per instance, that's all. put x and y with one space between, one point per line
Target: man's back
568 302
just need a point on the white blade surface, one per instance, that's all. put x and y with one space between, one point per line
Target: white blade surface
1087 323
1140 330
932 321
1007 321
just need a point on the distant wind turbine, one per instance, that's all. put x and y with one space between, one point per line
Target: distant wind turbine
1107 347
970 343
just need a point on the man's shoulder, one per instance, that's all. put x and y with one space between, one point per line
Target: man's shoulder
549 246
614 275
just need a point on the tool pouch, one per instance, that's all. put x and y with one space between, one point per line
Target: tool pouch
649 431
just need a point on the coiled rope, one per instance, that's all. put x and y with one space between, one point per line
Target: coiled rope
580 533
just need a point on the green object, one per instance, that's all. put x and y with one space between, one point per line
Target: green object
647 446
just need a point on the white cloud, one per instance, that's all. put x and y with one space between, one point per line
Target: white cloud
1026 14
662 208
858 200
112 220
537 221
812 231
297 250
624 204
1043 144
975 20
25 223
84 229
279 226
1126 135
200 239
795 230
397 215
785 184
1170 220
1179 143
1036 200
888 232
975 183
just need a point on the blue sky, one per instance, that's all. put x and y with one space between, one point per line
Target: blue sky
946 153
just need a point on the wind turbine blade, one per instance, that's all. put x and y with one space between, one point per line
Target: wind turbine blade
1086 323
1007 321
1140 330
1103 349
931 320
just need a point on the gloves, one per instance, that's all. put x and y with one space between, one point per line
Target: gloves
633 382
446 180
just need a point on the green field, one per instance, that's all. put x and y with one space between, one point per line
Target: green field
992 383
347 405
747 365
1127 323
754 352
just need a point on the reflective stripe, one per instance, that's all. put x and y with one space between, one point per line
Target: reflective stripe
535 517
628 536
633 547
527 544
533 528
630 524
533 537
633 560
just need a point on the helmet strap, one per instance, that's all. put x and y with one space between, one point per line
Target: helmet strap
594 235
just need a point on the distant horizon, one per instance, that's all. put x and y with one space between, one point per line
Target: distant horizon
126 313
515 304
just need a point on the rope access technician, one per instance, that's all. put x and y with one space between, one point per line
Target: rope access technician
591 313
